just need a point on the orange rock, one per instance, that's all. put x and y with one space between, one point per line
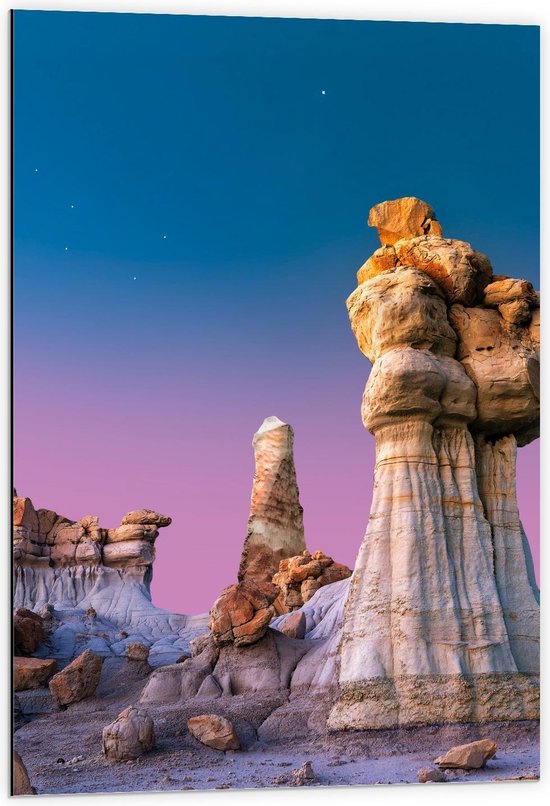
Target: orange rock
242 613
470 756
294 625
24 515
508 290
78 680
407 217
214 731
384 259
31 673
21 781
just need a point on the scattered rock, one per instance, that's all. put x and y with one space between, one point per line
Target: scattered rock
303 776
214 731
29 673
294 625
131 735
242 613
21 781
78 680
28 630
430 774
469 756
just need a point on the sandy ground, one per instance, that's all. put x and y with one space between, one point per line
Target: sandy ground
62 749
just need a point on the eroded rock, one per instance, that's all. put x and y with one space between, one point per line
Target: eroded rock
300 577
78 680
131 735
407 217
242 613
275 523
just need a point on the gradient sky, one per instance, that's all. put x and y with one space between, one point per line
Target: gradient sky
190 205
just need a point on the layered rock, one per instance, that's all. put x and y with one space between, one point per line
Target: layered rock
300 577
275 523
92 586
427 633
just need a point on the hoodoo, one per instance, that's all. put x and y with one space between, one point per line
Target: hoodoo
441 623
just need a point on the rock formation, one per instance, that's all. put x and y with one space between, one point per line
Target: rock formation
92 587
275 523
441 620
300 577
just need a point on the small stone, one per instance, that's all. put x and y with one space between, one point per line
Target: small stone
303 776
469 756
137 652
430 774
214 731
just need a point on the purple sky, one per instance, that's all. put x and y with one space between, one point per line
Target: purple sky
190 197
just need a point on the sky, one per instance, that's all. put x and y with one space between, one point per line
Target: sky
190 204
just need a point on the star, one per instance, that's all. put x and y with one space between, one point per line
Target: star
72 206
323 92
66 249
36 170
135 278
164 236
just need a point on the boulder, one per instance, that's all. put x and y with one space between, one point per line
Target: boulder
131 735
431 775
78 680
31 673
407 217
28 630
214 731
469 756
242 613
509 289
21 782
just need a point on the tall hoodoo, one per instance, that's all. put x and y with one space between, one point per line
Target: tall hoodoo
275 523
441 621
